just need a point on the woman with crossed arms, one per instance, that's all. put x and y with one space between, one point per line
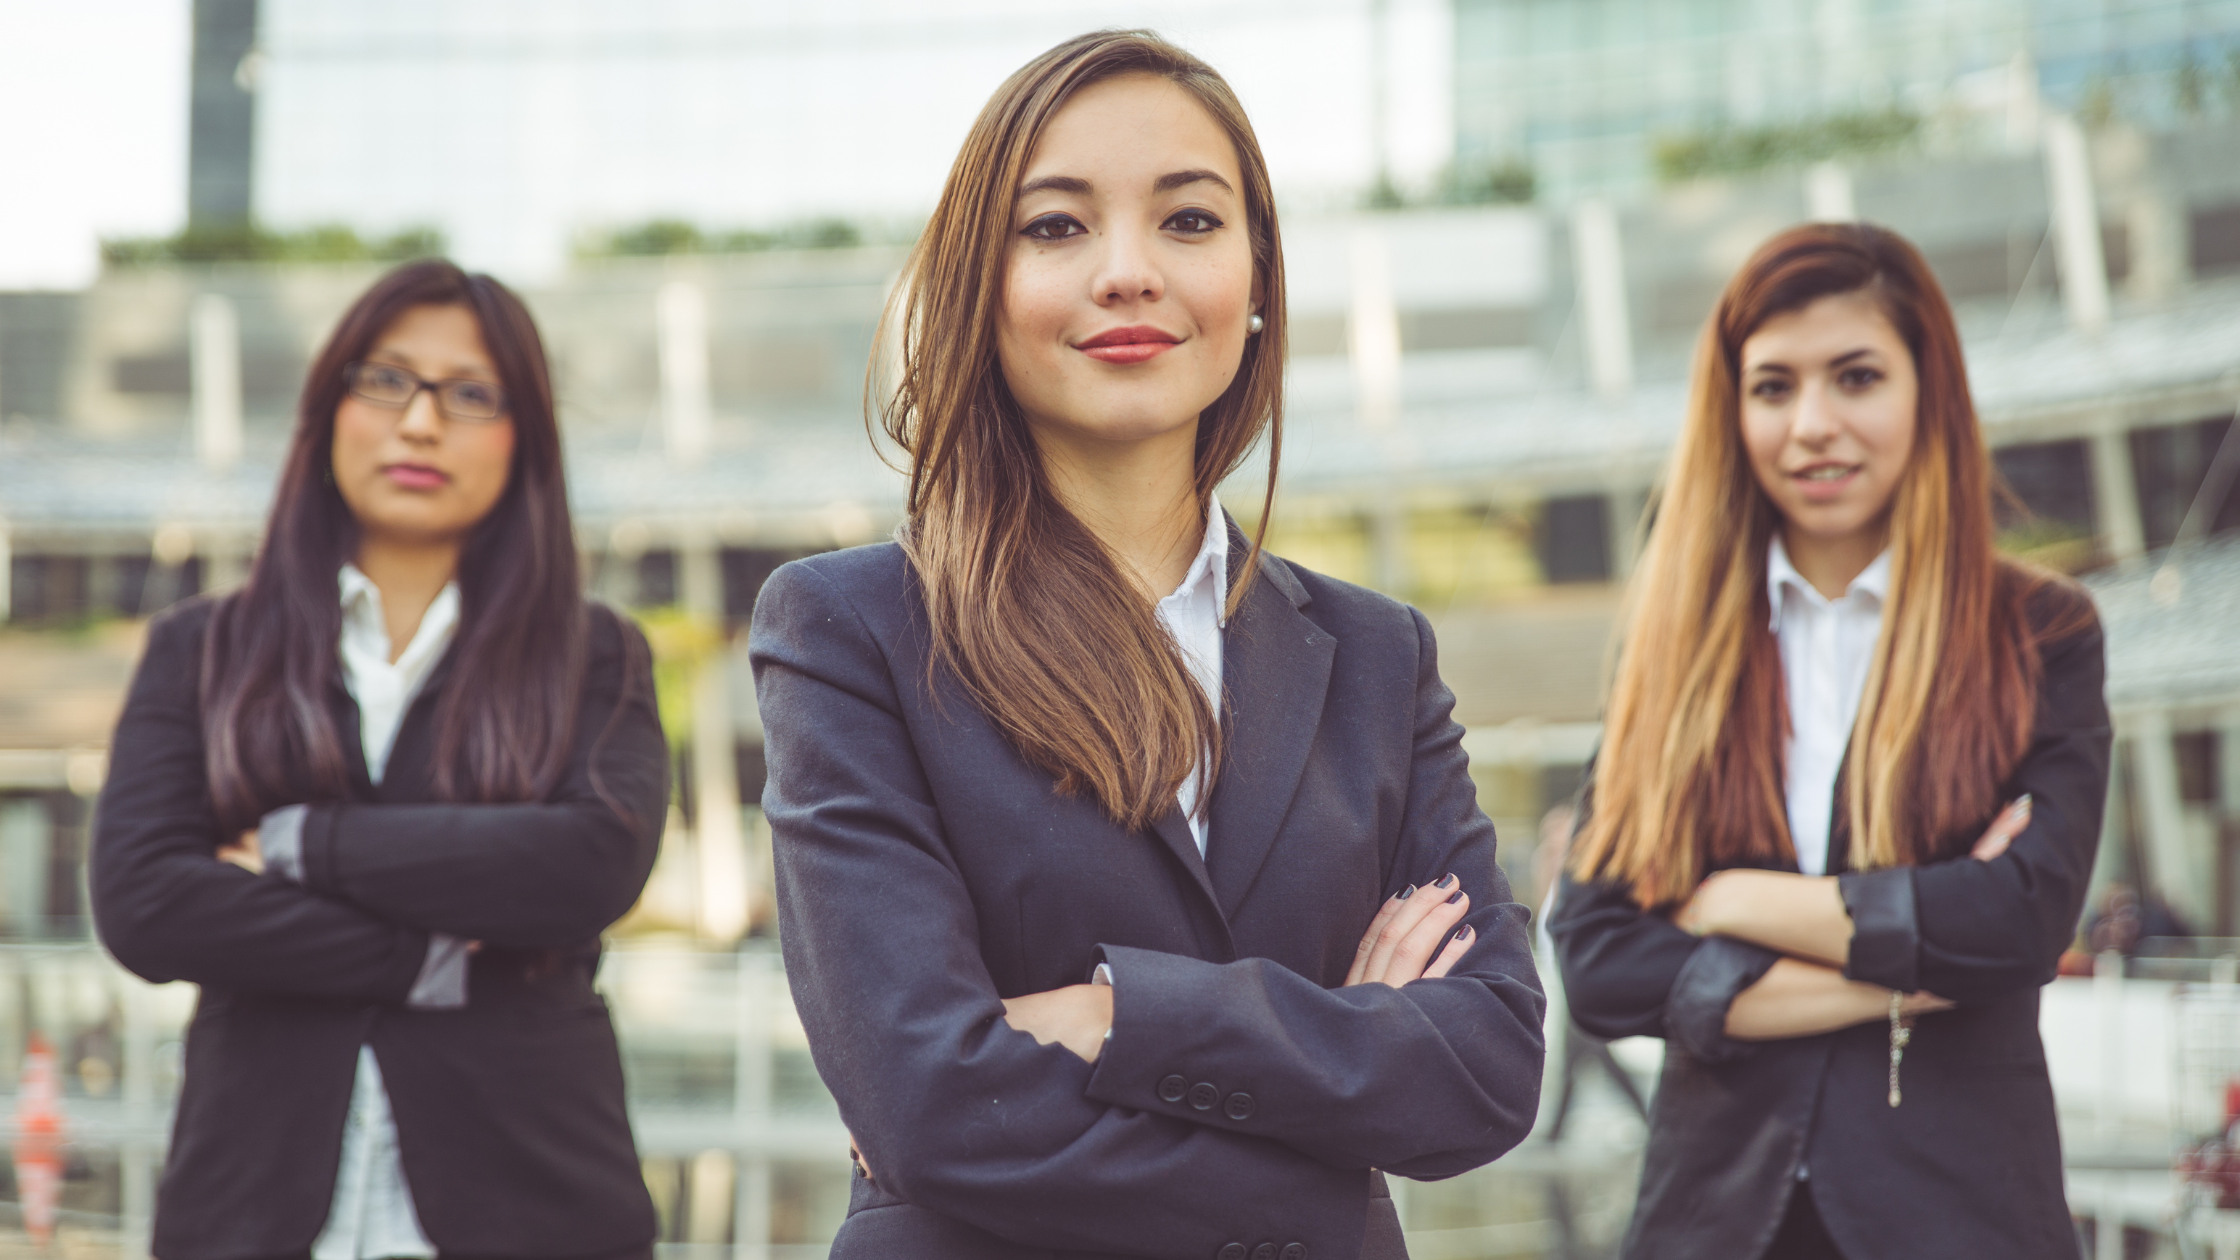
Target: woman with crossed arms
379 804
1843 817
1131 883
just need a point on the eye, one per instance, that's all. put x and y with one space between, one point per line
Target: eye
1771 389
474 395
1856 378
1053 227
1191 222
387 378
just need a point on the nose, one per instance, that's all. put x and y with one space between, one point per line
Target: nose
1817 420
421 421
1126 270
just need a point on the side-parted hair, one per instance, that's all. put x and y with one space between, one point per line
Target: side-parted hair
507 713
1690 773
1026 606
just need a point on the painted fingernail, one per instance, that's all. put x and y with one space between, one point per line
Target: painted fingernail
1458 895
2022 802
1466 933
1448 882
1407 892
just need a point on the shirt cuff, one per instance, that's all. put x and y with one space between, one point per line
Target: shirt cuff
280 841
443 975
1103 975
1885 927
1695 1015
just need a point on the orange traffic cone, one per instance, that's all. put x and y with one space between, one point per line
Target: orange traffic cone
39 1140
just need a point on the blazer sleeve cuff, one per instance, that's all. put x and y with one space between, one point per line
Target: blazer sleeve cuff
1885 927
1695 1015
1140 1066
280 841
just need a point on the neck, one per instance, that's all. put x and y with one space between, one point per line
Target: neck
409 576
1831 565
1139 498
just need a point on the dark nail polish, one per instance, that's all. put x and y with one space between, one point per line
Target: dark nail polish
1455 898
1448 882
1466 933
1407 892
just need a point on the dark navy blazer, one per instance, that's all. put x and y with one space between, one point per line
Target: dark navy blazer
925 872
1968 1166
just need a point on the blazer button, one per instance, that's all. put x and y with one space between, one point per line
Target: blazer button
1202 1097
1234 1251
1240 1107
1296 1251
1265 1251
1172 1088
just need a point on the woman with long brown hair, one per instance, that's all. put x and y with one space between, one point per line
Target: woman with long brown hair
1131 883
1849 791
379 804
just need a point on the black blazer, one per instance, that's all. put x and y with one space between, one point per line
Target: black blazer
509 1110
925 871
1969 1165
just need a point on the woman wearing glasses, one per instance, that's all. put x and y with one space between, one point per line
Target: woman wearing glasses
380 803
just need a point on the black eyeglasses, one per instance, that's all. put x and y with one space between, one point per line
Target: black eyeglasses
387 385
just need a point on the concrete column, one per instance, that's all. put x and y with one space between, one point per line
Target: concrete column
718 833
141 1122
2228 814
1604 317
681 322
7 572
759 987
1388 548
1626 506
2115 496
2076 224
1373 331
2155 221
214 369
1827 193
2179 875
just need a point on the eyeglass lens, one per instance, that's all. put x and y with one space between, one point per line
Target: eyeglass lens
394 387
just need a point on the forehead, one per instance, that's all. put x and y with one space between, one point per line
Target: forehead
433 339
1825 328
1129 129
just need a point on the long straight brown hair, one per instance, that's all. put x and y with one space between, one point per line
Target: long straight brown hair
1690 773
1026 606
507 712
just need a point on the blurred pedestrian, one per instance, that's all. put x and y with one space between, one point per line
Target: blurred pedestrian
1844 814
380 803
1123 921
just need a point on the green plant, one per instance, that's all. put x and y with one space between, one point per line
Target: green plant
1722 149
253 242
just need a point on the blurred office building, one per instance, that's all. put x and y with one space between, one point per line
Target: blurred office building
1486 379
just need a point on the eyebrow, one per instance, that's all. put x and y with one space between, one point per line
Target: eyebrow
1838 361
1081 188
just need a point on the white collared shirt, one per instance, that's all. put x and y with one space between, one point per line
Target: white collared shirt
1826 648
1192 614
372 1216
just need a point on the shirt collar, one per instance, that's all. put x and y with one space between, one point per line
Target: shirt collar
1782 578
362 615
1212 561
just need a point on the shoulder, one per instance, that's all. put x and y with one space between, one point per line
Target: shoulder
2056 609
1356 615
611 636
182 627
868 582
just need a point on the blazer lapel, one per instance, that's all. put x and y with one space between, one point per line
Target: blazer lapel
1275 666
343 708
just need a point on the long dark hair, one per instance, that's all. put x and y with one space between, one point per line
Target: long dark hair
506 715
1028 608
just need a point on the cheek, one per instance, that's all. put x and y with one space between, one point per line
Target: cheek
1765 431
357 439
486 462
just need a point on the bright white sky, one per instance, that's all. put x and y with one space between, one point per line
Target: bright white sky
860 119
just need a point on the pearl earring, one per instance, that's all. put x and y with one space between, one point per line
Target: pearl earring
1255 324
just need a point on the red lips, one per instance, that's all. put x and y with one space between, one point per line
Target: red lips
1135 344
